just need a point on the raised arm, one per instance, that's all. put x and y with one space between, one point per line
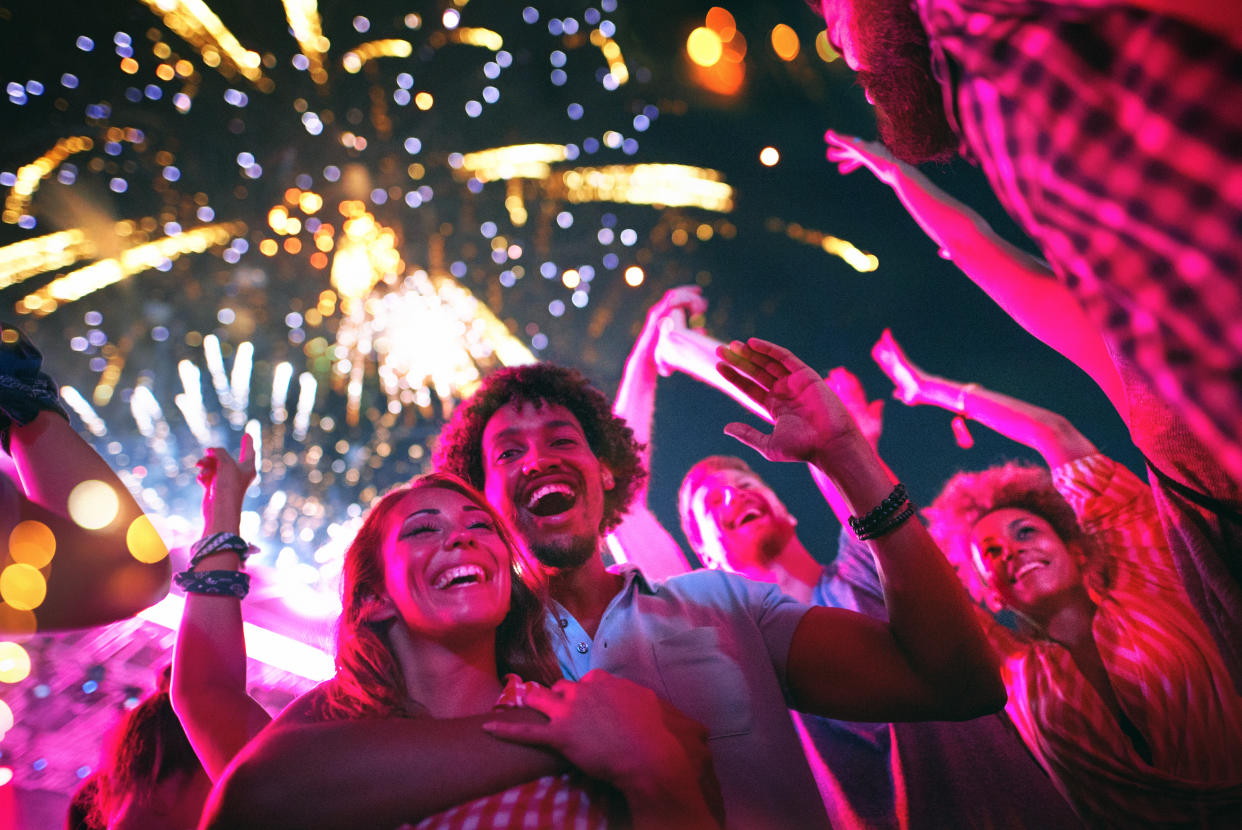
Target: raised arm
1046 432
1023 285
303 772
67 520
641 538
208 689
930 661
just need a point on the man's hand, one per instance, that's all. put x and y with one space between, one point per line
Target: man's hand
225 481
611 729
808 419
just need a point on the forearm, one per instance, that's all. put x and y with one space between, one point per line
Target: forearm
125 556
1048 433
931 619
378 773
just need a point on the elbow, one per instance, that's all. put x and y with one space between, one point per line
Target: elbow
985 695
240 800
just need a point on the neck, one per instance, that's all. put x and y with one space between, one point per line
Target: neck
1069 623
450 679
793 570
585 591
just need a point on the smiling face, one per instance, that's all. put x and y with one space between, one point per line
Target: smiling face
1025 561
540 472
446 567
742 525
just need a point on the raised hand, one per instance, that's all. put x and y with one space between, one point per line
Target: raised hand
669 312
225 481
908 379
850 153
869 415
808 419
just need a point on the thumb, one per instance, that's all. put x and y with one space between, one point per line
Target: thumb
748 435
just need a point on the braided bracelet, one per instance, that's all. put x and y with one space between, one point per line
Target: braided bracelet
219 543
214 583
885 517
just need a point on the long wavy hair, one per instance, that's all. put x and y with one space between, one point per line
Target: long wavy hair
368 681
969 496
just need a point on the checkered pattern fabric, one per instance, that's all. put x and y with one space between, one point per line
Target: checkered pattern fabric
1114 137
1162 665
549 803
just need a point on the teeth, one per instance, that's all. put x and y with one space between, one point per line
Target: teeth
469 573
1025 569
547 490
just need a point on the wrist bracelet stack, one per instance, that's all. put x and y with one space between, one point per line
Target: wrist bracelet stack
219 543
216 583
891 514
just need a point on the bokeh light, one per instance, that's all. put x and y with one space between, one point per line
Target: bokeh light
93 505
14 662
22 587
785 42
33 543
769 156
144 541
704 47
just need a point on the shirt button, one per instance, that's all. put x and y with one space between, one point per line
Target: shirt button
564 623
583 648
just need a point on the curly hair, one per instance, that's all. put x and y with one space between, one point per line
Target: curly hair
461 442
969 496
694 477
368 681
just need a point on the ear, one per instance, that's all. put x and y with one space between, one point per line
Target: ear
379 609
606 475
1077 551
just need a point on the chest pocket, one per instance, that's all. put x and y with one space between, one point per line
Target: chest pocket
704 681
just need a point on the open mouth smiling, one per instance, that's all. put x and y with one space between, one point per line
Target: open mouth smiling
551 499
1027 567
459 576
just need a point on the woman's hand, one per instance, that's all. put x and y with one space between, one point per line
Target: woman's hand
850 153
670 311
908 379
869 415
225 481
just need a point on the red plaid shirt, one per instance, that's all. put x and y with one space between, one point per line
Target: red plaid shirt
1163 667
549 803
1114 137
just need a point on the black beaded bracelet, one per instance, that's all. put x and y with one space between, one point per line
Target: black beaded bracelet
889 526
214 583
865 526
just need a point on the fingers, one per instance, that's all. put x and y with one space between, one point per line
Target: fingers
748 435
530 734
246 458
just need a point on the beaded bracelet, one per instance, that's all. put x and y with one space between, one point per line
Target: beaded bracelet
218 543
888 527
885 517
214 583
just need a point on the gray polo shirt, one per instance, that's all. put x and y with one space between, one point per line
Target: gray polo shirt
715 646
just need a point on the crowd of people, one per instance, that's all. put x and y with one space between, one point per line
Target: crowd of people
1045 646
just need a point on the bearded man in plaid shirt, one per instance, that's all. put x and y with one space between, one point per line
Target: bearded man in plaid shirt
1112 133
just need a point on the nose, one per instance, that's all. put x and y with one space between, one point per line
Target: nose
538 461
460 537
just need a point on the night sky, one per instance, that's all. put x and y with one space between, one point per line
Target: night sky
758 281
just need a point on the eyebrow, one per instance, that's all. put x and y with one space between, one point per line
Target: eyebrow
550 425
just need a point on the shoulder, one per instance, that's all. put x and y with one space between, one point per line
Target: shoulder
311 707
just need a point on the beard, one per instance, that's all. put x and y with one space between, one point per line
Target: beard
567 552
908 100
